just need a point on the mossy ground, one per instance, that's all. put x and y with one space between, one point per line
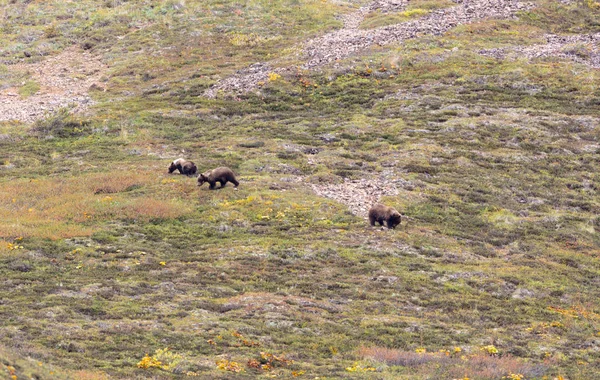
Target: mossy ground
106 258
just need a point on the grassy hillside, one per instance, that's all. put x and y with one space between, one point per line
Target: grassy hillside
111 268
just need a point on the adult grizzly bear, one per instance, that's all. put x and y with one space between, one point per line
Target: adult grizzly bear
184 166
221 175
380 213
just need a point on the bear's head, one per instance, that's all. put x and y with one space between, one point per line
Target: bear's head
201 179
394 219
174 166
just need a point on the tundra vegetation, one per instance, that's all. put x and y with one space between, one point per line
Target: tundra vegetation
111 268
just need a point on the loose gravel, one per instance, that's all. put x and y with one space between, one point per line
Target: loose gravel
64 80
345 42
350 40
583 48
358 195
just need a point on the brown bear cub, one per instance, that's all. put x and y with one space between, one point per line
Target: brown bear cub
380 213
184 166
221 175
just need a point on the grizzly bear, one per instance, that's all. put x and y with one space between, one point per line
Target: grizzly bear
380 213
221 175
184 166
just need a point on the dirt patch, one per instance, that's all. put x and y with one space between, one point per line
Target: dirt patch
64 80
358 195
249 76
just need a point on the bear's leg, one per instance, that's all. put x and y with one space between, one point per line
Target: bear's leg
372 220
380 221
235 183
212 185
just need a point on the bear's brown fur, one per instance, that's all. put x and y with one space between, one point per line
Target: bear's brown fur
380 213
184 166
221 175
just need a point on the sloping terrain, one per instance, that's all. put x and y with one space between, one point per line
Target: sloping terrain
478 120
54 83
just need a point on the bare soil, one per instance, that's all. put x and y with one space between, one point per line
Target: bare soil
65 81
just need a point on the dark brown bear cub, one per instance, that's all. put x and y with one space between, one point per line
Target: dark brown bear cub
380 213
221 175
184 166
